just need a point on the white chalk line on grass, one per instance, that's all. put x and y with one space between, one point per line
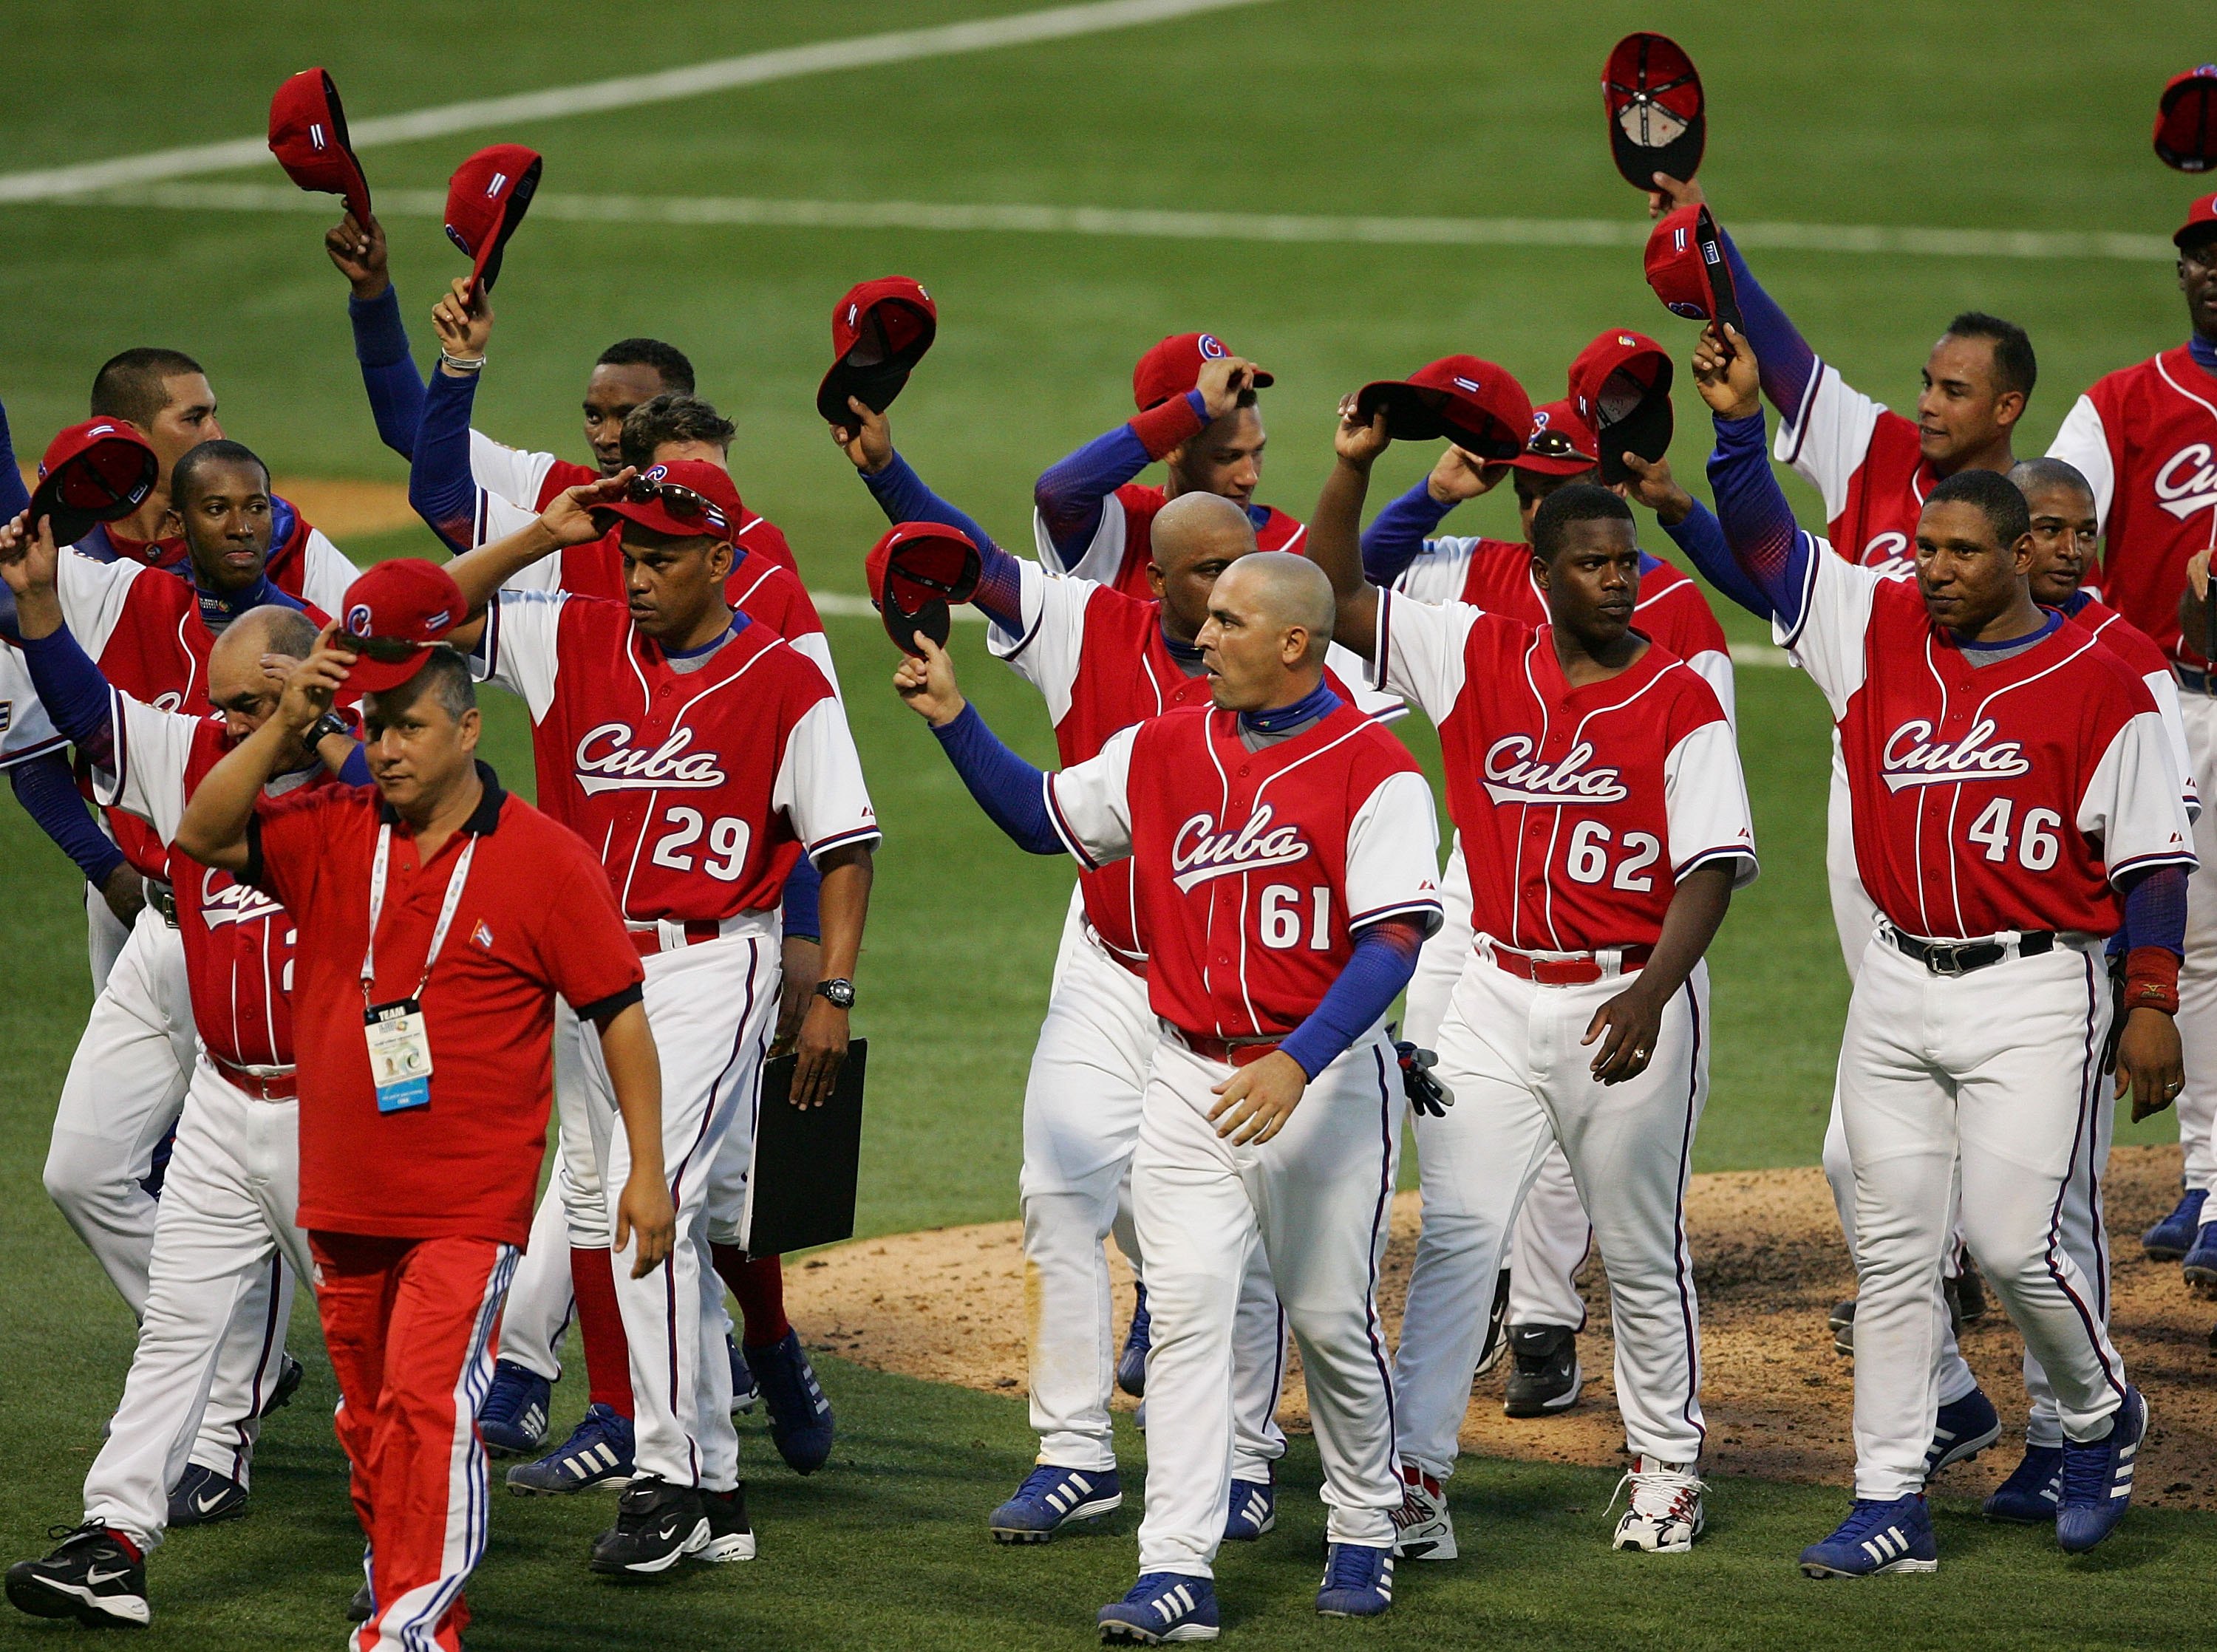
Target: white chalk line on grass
1853 239
631 91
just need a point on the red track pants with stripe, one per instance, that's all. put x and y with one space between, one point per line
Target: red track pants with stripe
409 1324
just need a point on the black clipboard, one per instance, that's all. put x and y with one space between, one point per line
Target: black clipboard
806 1164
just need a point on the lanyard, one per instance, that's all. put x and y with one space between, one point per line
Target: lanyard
454 882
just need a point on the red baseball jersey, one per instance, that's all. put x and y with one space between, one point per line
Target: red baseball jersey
142 627
1988 799
1099 658
1497 575
2145 660
2145 437
528 481
698 788
1253 871
1865 460
1580 809
1123 543
238 940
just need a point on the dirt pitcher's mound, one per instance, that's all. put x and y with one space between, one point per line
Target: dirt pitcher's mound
948 1305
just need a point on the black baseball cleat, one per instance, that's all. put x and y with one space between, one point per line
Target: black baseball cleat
1842 1320
201 1497
1967 1295
289 1376
1545 1377
656 1525
363 1607
730 1535
94 1575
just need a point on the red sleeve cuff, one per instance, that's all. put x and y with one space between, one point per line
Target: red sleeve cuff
1161 428
2151 979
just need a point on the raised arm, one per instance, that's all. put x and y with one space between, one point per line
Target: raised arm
439 483
1334 538
1789 365
1767 547
1695 530
213 829
380 336
1396 534
15 497
567 521
904 496
1010 791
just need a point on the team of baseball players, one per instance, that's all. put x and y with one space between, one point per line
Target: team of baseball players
2018 764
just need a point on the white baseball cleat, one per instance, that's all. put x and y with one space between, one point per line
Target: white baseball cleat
1666 1515
1423 1529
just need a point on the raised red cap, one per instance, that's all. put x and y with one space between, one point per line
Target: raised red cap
98 472
879 331
392 617
2186 120
308 136
2200 218
1561 442
686 498
1686 268
1173 368
1654 97
486 200
916 572
1620 384
1477 406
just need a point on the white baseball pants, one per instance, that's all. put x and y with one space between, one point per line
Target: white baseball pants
1553 1239
1314 1200
2198 977
1082 1104
104 935
1994 1075
227 1228
573 1211
712 1006
1511 1056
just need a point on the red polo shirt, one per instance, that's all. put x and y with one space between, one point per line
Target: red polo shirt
536 917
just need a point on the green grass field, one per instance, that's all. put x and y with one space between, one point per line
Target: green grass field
2027 117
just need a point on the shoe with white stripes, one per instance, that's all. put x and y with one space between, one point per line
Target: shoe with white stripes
746 1393
2034 1491
98 1577
1666 1516
1253 1511
2098 1478
801 1425
512 1421
1876 1537
1423 1528
1358 1582
201 1497
598 1453
1162 1606
1961 1430
1052 1498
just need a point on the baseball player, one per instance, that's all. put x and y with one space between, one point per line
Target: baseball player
1594 778
600 1450
227 1213
2145 438
2015 801
1543 1310
702 755
1198 417
1284 858
1103 660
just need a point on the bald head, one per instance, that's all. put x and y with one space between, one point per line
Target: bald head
1199 528
242 688
1282 591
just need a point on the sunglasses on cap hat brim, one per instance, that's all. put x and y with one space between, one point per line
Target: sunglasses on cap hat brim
696 511
385 650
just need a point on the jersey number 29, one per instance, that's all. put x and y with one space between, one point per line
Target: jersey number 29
727 843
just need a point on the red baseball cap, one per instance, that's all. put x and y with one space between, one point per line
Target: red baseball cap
486 200
1686 268
98 472
1475 404
879 331
1620 386
2186 120
1560 443
1173 368
1653 96
916 573
2201 223
686 498
308 136
392 617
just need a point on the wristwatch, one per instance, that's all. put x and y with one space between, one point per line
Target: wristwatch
841 993
324 727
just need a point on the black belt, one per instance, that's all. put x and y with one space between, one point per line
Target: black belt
163 900
2192 681
1962 957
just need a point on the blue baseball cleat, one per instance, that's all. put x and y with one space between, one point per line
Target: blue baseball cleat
1052 1498
2034 1491
1253 1511
1132 1362
2173 1237
1875 1537
2200 1263
598 1453
1162 1606
800 1422
746 1393
512 1419
1963 1428
1358 1582
2098 1478
201 1497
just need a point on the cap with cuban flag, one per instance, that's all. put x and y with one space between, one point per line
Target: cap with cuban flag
308 136
486 200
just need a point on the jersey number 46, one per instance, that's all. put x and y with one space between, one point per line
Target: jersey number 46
2037 846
